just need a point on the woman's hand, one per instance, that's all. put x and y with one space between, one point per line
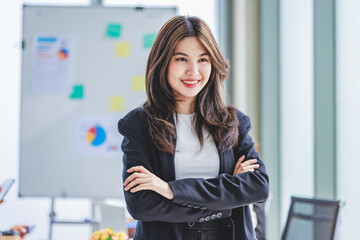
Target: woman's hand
248 166
143 179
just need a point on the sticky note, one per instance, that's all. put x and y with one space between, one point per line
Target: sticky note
116 104
113 30
122 49
148 40
78 92
138 83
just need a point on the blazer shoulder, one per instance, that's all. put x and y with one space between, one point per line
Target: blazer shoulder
244 120
134 122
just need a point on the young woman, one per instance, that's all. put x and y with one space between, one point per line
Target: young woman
190 166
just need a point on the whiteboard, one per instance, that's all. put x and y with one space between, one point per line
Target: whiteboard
83 68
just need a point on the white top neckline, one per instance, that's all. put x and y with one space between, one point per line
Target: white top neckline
192 161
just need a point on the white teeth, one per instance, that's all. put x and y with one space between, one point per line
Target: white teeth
190 82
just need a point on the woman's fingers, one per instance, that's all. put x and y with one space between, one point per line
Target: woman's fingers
249 162
142 179
141 187
138 169
238 163
139 178
249 165
132 177
135 182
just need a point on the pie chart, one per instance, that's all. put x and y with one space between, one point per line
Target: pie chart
63 53
96 135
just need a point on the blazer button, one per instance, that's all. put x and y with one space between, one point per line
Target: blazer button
207 218
219 215
203 208
213 216
201 219
190 205
196 207
184 204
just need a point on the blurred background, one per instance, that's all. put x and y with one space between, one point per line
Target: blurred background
294 70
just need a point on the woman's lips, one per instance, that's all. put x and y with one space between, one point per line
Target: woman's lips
190 83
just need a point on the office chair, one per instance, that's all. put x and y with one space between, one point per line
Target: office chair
312 219
112 216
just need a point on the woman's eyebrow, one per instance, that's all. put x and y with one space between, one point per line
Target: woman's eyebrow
184 54
180 53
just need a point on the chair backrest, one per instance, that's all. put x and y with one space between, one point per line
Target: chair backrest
113 216
312 219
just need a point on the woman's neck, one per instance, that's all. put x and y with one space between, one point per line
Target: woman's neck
185 107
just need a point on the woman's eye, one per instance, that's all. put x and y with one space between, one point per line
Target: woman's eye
180 59
203 60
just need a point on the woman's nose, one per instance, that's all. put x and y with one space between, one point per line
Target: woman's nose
192 69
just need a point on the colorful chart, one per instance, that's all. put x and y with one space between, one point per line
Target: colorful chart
96 135
63 53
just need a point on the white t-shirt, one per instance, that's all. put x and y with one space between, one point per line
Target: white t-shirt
190 160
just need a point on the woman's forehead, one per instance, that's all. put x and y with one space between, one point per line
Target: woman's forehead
189 45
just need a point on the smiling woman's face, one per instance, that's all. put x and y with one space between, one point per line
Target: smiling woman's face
189 69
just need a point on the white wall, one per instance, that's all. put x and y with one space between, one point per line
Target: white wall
35 211
296 101
348 114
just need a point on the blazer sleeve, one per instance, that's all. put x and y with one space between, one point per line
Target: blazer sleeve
227 191
148 205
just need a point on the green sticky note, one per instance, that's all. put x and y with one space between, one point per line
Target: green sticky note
148 40
113 30
78 92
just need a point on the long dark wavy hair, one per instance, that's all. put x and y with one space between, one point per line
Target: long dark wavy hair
210 110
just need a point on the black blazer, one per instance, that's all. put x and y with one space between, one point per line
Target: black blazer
195 199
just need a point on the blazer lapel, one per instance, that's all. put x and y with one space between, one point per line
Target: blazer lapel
227 162
167 161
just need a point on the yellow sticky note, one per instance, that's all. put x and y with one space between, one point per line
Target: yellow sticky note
122 49
138 83
117 104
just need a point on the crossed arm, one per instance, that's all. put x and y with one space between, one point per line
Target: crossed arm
142 179
150 198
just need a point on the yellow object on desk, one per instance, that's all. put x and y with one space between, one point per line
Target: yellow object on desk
108 234
10 237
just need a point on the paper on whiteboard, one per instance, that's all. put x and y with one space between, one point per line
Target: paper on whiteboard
52 61
98 136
